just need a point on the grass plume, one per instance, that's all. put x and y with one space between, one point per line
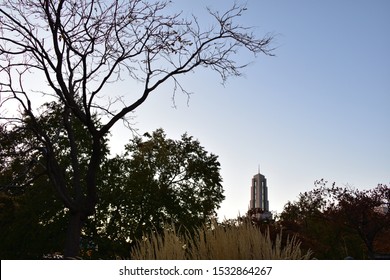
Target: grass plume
240 242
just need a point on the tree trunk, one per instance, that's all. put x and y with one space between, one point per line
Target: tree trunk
370 249
73 235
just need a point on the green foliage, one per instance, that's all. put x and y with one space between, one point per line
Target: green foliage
156 181
35 227
36 219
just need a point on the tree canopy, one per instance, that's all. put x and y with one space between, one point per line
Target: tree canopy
34 211
156 181
337 222
78 51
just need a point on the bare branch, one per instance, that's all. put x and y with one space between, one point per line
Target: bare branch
73 51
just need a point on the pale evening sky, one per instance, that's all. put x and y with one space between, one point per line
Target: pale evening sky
319 109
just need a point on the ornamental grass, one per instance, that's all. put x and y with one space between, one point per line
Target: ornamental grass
216 242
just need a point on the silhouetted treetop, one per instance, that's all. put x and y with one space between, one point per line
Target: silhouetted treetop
79 54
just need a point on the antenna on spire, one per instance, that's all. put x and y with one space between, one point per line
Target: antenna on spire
258 169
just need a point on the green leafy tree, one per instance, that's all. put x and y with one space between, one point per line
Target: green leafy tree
157 181
79 51
34 212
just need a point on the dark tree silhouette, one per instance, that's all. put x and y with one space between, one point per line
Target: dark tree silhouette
157 181
336 221
78 49
366 212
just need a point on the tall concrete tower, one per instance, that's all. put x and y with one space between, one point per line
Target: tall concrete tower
259 193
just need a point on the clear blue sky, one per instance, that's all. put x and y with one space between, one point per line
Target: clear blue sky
319 109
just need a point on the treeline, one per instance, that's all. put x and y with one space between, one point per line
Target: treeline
339 222
159 181
155 181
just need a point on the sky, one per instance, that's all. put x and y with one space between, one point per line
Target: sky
320 108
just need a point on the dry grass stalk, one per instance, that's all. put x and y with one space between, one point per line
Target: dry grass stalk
244 242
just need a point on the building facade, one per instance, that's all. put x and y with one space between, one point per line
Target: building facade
259 193
259 204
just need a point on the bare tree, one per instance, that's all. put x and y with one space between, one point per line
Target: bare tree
78 48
